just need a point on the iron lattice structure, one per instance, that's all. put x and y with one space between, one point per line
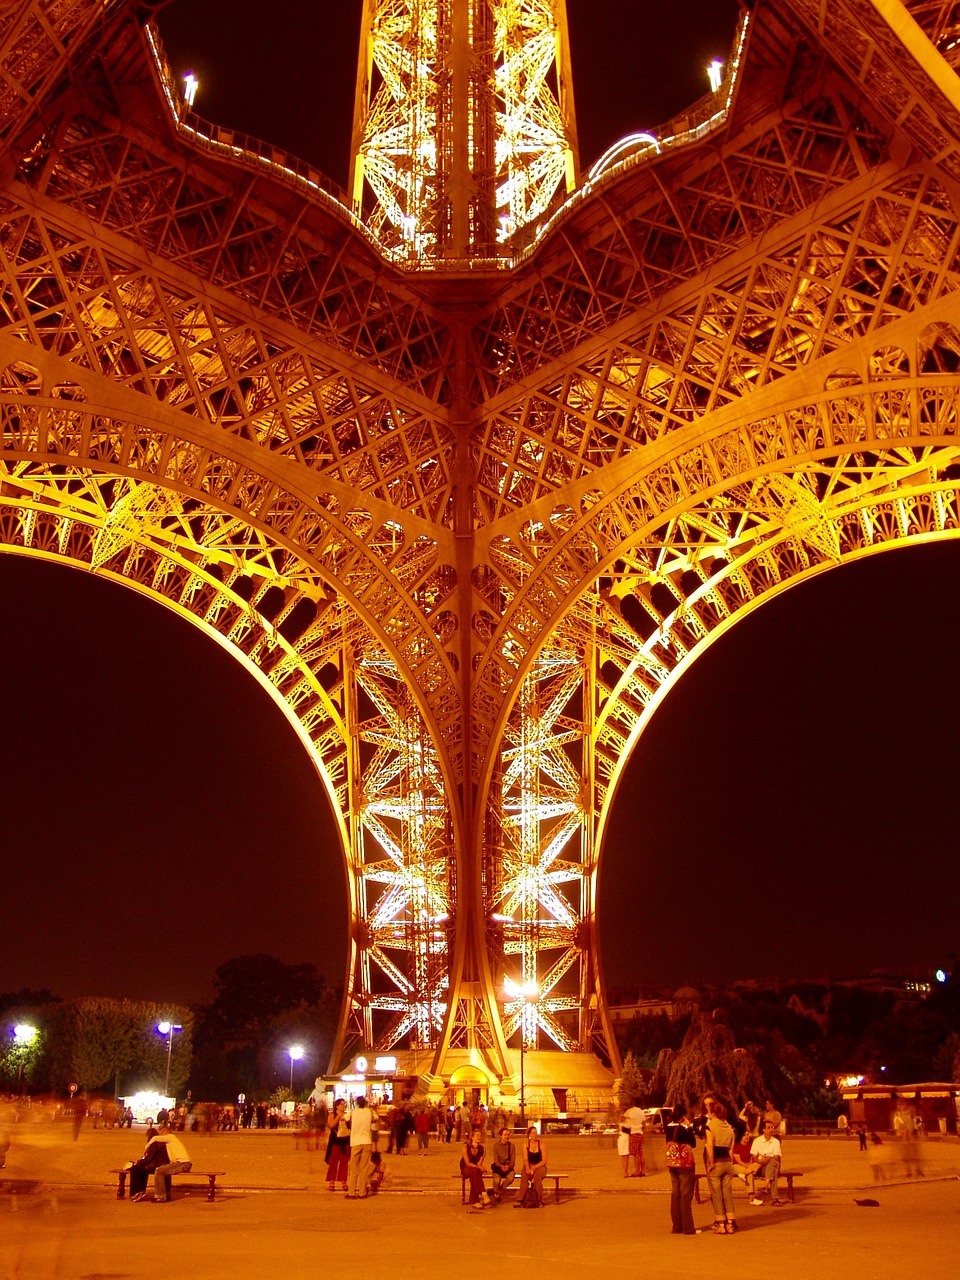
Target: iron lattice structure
468 525
463 123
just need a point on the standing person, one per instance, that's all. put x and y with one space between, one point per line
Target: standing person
421 1127
503 1164
770 1112
471 1168
534 1167
681 1166
720 1138
623 1148
361 1149
766 1151
464 1126
393 1125
633 1120
338 1146
404 1129
79 1114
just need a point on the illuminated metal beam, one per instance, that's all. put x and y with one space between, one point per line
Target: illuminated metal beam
464 127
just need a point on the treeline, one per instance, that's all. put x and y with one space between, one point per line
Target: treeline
236 1043
787 1046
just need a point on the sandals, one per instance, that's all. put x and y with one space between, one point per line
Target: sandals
732 1227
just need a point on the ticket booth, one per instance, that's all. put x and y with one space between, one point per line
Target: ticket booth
471 1085
378 1077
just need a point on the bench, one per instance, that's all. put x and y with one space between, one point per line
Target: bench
785 1176
547 1177
196 1174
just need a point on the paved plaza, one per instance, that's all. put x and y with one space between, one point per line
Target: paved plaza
60 1218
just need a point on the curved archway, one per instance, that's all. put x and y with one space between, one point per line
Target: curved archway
806 786
144 774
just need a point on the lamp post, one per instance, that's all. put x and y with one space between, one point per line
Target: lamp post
23 1036
167 1029
526 993
296 1053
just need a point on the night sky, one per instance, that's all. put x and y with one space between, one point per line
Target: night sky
789 811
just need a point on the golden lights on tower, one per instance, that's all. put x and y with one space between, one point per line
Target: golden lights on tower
464 126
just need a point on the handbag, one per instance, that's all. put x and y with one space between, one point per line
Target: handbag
679 1154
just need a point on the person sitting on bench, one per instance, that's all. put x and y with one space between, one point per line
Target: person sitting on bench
767 1152
503 1165
165 1154
471 1168
534 1168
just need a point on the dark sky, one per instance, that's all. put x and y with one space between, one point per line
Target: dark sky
792 804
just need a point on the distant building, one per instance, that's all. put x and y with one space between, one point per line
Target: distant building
684 1000
876 1105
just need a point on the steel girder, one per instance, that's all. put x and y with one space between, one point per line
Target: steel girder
468 530
463 123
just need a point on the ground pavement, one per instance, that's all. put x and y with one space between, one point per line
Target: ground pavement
60 1219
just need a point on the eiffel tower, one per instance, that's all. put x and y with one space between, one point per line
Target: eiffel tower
467 464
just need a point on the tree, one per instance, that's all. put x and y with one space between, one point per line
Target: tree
151 1055
251 991
104 1040
646 1035
26 1064
94 1039
25 999
260 1007
630 1085
710 1061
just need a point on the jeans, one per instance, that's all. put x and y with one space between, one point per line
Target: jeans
720 1181
770 1172
359 1173
161 1180
681 1200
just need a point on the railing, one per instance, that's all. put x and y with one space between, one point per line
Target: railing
690 126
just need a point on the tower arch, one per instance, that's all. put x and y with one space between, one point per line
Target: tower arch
510 491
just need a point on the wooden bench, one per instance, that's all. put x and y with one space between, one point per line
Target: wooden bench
547 1177
784 1176
196 1174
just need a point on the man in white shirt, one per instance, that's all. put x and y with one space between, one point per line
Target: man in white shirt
361 1149
633 1119
765 1151
177 1159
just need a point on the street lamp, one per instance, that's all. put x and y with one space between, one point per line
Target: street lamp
23 1036
167 1029
527 993
296 1053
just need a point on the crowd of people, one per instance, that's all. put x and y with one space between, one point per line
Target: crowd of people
744 1144
355 1135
